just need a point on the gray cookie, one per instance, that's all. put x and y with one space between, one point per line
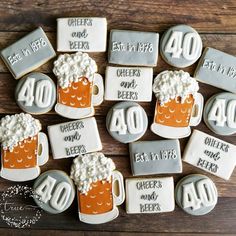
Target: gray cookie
219 113
196 194
128 47
35 93
28 53
126 122
217 69
155 157
181 46
54 191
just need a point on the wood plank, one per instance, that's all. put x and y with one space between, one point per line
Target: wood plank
219 41
205 16
29 232
177 221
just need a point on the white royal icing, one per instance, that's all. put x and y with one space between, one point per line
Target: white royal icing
16 128
172 84
90 168
70 67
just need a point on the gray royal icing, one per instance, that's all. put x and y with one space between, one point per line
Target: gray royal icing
133 48
126 122
218 69
54 191
219 113
196 194
155 157
35 93
28 53
181 46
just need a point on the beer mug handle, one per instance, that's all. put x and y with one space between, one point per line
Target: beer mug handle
117 176
197 110
43 152
98 97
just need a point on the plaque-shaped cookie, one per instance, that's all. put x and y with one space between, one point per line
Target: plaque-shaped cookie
28 53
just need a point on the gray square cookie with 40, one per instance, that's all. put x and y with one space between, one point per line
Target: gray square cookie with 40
218 69
133 48
28 53
155 157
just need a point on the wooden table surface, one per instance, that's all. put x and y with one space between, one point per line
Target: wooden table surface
216 23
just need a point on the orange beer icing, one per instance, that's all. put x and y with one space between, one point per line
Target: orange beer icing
23 156
78 95
174 113
98 200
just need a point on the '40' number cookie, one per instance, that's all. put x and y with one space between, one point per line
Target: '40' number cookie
220 113
126 122
35 93
181 46
79 86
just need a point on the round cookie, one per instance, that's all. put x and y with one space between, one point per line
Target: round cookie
54 191
219 113
196 194
126 122
35 93
181 46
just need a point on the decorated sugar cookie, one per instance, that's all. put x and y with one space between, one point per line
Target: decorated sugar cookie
79 87
54 191
219 113
28 53
35 93
181 46
95 176
155 157
210 154
196 194
178 105
149 195
75 137
217 68
126 122
23 147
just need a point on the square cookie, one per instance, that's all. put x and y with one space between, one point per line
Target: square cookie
28 53
72 138
127 83
133 48
149 195
210 154
155 157
83 34
217 69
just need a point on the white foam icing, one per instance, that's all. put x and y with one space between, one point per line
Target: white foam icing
90 168
70 67
16 128
172 84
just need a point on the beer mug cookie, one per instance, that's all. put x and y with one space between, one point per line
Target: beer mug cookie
23 147
97 184
79 86
178 105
